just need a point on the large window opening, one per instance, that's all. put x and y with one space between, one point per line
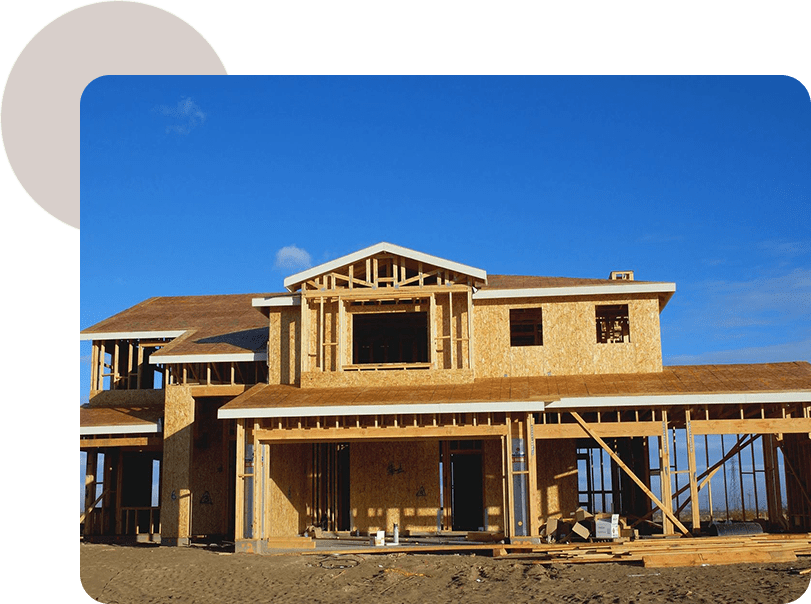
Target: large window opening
613 326
390 337
526 327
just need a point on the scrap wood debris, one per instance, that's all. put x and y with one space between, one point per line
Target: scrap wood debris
405 573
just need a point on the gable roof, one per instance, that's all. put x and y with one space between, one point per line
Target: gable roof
210 328
293 282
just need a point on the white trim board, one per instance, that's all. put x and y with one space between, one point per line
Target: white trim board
579 290
381 409
277 301
233 357
131 335
648 400
120 429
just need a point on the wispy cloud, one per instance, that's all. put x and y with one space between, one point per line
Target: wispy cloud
187 115
761 301
773 353
293 258
786 248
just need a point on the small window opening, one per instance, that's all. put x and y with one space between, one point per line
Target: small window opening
526 327
612 324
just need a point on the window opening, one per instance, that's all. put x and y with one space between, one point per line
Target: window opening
612 324
398 337
526 327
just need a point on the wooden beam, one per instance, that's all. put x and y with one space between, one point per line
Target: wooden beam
605 430
788 425
628 471
124 441
332 433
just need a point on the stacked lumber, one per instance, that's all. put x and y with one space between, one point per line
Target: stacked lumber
674 552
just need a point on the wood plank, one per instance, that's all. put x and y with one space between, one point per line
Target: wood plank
787 425
735 556
332 433
605 430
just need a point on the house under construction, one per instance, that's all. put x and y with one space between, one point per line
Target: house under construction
390 386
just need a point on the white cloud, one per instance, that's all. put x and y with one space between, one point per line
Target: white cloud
293 258
187 113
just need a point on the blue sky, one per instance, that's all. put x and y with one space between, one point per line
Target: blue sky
202 185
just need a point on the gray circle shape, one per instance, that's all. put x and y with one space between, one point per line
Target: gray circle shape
40 111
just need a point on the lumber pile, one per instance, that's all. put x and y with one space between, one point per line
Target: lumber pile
673 552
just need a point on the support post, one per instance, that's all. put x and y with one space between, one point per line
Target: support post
664 477
691 470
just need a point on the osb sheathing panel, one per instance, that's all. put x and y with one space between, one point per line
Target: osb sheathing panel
283 348
557 477
413 377
175 470
394 482
569 338
289 490
209 473
493 485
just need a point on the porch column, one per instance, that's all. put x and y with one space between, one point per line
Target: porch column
176 496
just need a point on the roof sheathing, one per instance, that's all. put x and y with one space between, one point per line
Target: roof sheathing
201 325
777 382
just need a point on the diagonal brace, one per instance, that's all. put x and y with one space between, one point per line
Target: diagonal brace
629 472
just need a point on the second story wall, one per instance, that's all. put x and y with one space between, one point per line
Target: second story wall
568 342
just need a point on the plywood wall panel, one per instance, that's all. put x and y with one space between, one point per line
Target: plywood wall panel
176 495
289 490
557 477
569 338
493 485
394 482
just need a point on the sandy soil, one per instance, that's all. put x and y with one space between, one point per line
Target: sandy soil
145 574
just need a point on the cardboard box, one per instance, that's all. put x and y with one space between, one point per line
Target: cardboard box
607 528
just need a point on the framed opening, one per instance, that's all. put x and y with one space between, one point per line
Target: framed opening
613 326
526 327
396 337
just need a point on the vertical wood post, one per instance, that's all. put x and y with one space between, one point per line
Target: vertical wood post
239 498
664 476
532 483
691 469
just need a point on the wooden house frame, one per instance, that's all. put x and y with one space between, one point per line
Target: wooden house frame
390 387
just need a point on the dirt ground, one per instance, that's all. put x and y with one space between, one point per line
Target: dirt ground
119 574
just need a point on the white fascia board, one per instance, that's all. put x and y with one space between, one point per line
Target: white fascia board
647 400
131 335
381 409
277 301
233 357
126 429
582 290
378 248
